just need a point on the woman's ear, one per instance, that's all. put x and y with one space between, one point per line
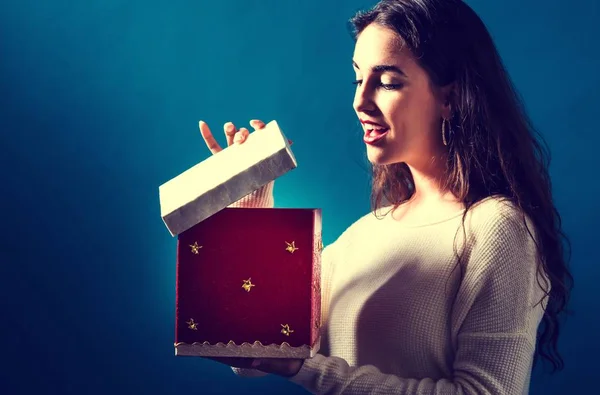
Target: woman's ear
447 95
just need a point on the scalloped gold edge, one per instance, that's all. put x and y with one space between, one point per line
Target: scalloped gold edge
232 343
246 350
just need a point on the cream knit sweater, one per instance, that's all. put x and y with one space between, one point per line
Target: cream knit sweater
399 318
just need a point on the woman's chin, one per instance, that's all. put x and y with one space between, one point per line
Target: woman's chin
379 157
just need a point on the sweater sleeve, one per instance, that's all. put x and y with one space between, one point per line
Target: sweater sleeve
261 198
494 321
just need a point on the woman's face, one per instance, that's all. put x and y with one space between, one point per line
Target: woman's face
400 111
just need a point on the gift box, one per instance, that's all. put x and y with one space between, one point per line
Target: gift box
247 279
248 284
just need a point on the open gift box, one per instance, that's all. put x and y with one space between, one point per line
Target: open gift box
248 279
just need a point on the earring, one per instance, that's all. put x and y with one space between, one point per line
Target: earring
444 121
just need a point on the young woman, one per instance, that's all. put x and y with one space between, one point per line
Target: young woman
456 279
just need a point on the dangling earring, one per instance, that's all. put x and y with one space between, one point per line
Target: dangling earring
444 121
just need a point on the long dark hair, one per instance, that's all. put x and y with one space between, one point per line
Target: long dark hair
493 148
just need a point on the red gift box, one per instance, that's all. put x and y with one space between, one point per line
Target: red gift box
248 284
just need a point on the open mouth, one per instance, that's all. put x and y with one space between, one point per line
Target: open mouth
373 135
374 132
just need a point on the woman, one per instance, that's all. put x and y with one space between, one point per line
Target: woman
445 286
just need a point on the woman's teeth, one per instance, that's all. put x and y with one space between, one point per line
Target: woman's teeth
373 131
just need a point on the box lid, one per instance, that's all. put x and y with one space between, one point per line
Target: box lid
224 178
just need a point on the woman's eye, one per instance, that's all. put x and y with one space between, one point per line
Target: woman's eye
391 87
388 87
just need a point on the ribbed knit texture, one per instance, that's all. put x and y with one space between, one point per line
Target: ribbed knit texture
262 197
400 317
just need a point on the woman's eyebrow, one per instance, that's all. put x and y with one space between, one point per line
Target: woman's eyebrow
380 68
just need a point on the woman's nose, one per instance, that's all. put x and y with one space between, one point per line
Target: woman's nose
363 101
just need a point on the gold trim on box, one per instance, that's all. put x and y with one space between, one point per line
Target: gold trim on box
246 350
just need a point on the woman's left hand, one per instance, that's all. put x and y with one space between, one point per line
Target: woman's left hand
279 366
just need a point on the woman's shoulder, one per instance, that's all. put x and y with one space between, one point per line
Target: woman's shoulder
501 239
498 214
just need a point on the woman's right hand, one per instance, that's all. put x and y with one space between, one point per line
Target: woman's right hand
262 197
231 133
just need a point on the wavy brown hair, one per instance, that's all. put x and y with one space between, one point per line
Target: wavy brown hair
493 147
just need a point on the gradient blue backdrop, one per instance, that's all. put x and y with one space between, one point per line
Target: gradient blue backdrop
99 104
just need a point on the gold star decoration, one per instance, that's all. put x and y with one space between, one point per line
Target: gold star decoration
291 247
286 329
192 325
195 248
248 284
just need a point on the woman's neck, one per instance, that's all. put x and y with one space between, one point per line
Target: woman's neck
429 181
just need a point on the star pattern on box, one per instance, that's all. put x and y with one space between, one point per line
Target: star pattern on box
248 285
291 247
195 248
192 325
285 329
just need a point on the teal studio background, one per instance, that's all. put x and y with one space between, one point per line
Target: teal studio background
99 105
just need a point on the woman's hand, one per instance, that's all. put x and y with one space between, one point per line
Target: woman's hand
233 135
279 366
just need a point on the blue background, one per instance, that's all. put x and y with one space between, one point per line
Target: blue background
99 104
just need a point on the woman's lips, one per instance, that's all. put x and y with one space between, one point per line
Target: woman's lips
374 135
374 131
